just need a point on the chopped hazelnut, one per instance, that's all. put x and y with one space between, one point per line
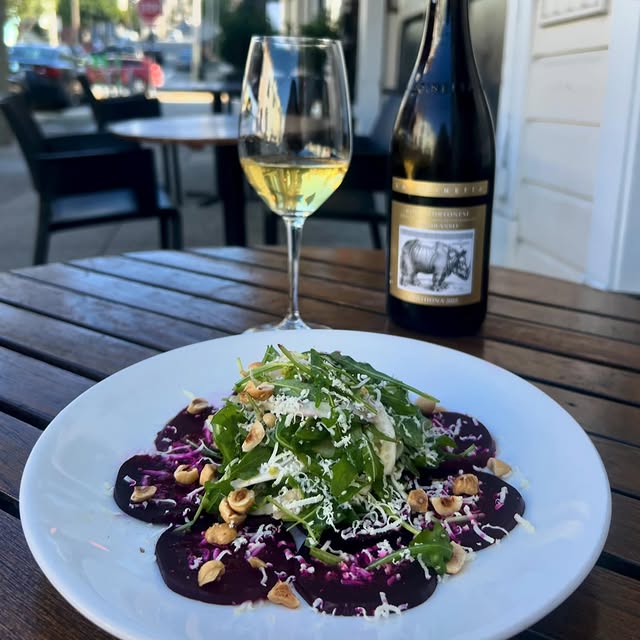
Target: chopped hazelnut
220 534
184 474
210 572
142 494
254 437
232 518
498 467
281 594
425 405
447 505
241 500
466 484
256 563
197 405
208 473
261 392
418 500
458 558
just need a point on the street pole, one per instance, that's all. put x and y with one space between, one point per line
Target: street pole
75 22
5 136
196 45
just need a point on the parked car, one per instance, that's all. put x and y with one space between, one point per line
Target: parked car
48 76
125 67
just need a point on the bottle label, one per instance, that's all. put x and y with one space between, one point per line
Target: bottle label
440 189
436 252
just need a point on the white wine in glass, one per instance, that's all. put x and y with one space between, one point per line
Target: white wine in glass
295 135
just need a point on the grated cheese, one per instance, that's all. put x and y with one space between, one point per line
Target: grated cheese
524 523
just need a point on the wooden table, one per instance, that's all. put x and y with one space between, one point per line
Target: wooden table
66 326
218 130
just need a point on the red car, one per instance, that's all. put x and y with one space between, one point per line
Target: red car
125 67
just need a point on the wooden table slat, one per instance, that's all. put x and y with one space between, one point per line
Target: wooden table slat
31 608
624 535
308 268
587 323
135 325
561 293
605 607
504 282
172 304
66 345
34 390
201 286
17 438
598 416
623 466
545 367
573 374
341 293
579 321
522 331
363 259
563 342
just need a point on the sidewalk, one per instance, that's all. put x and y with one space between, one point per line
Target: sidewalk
202 225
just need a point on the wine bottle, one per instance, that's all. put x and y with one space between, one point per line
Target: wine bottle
442 173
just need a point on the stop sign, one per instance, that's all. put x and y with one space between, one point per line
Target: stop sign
149 10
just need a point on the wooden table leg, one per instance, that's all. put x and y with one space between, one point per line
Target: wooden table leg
231 192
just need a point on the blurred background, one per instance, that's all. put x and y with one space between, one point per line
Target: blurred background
555 72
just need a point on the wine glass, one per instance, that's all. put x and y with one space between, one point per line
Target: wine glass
295 135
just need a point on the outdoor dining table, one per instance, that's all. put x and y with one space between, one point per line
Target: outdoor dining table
67 326
218 130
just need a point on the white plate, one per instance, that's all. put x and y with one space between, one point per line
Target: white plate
92 553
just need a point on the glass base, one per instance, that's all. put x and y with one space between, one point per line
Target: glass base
287 324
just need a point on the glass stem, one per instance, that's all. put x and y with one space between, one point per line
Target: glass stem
293 225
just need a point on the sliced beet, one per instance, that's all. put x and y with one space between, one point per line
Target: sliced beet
172 503
493 512
179 556
465 431
353 544
349 589
185 426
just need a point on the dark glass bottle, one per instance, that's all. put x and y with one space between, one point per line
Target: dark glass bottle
442 167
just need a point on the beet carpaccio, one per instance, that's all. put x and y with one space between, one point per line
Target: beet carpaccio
323 479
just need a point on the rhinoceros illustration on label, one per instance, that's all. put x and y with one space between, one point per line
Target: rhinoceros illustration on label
437 258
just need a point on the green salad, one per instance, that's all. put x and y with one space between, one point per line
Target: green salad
325 442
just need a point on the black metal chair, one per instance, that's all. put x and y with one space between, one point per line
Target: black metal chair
109 110
368 175
87 180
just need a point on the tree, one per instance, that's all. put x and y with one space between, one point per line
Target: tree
90 11
238 25
28 12
320 27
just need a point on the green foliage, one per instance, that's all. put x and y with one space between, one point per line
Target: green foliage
90 10
238 26
26 9
432 545
320 27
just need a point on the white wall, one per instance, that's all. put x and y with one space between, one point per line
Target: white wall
550 137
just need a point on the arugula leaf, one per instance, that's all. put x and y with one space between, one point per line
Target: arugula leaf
249 464
309 432
270 354
225 431
343 474
372 465
431 545
366 369
215 491
325 556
